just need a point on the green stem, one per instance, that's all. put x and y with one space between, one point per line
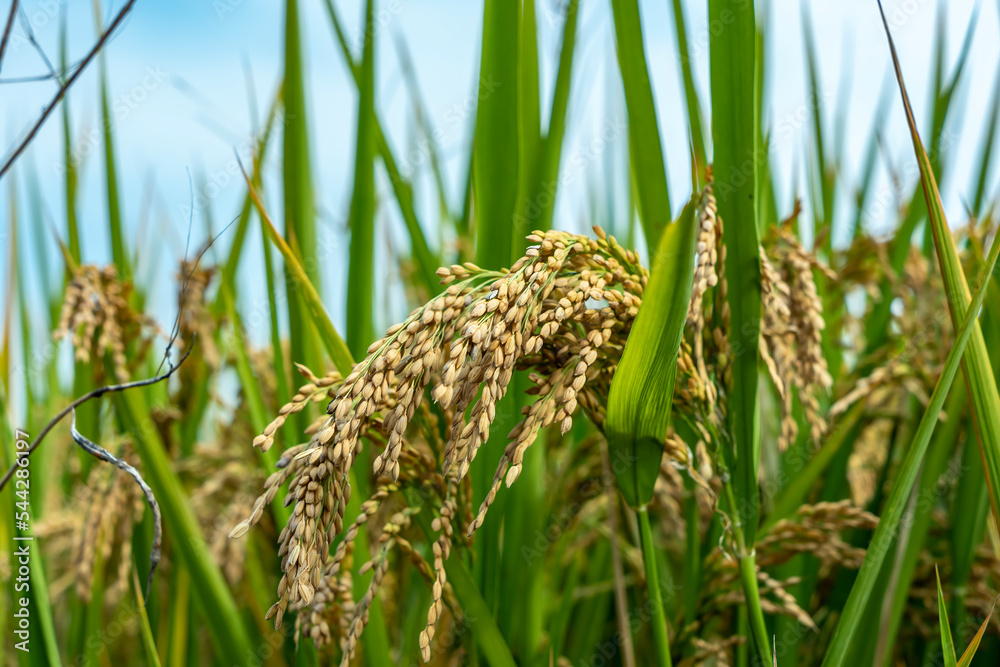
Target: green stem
748 577
748 574
658 618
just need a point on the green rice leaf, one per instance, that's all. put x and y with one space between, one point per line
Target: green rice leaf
970 652
495 160
988 140
69 159
298 190
943 94
733 123
427 262
887 530
899 571
222 616
428 133
242 225
646 149
300 284
118 251
977 369
544 196
145 632
641 394
496 166
947 645
361 271
822 173
528 124
691 98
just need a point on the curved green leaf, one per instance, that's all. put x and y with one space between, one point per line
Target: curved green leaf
643 385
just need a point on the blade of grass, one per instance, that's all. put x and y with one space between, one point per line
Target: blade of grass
887 615
298 195
970 652
987 142
658 617
767 210
427 261
52 301
823 208
694 113
876 329
361 271
496 157
977 370
521 602
943 93
734 124
544 196
971 505
587 626
118 247
428 133
521 605
528 124
224 622
69 158
642 389
947 645
641 394
239 236
969 516
300 283
496 179
733 131
889 522
646 148
145 632
177 633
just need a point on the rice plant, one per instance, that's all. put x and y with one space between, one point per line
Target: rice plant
718 430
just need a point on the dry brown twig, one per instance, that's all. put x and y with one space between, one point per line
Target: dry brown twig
50 107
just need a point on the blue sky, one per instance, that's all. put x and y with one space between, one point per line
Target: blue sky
182 103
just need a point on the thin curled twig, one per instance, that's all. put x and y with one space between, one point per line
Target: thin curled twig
102 454
100 391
